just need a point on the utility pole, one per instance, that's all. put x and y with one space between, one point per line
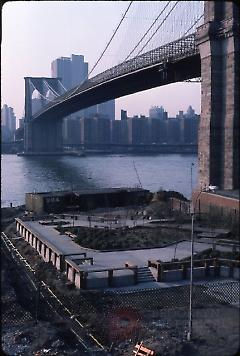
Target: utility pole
192 164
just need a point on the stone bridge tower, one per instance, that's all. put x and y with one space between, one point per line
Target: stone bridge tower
41 136
219 41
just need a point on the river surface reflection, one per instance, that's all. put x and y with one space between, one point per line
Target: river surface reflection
26 174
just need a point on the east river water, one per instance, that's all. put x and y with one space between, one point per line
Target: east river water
20 175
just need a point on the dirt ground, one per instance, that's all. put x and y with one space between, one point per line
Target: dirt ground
215 330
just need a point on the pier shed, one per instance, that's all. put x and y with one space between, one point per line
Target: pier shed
83 200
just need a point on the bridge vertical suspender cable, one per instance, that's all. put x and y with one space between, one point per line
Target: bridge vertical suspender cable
165 18
102 54
147 31
186 32
71 92
113 35
193 25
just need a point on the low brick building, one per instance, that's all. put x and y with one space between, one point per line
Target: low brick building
223 202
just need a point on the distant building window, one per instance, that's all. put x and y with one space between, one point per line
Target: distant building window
52 199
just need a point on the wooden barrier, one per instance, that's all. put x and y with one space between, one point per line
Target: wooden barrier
161 267
142 350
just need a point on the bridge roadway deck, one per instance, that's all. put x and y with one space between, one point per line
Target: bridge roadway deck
63 244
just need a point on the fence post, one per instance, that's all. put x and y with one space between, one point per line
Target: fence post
37 301
207 268
110 277
135 275
62 263
159 272
83 280
216 267
184 271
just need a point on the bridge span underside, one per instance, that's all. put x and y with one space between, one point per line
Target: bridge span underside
146 78
42 131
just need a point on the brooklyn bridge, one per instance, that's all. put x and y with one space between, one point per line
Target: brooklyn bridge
210 52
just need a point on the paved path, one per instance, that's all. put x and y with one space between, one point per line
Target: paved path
140 257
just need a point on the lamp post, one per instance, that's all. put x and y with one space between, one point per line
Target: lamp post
189 334
192 212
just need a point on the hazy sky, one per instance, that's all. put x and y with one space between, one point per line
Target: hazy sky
34 33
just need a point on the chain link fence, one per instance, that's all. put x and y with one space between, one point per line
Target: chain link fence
122 317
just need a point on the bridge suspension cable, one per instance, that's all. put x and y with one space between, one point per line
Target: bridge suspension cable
113 35
102 54
199 18
51 89
172 29
179 21
62 86
165 18
54 93
147 31
45 98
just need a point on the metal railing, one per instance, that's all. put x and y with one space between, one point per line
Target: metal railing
171 52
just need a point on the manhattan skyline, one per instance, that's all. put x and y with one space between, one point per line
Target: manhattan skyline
35 33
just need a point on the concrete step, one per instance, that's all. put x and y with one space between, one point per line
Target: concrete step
145 275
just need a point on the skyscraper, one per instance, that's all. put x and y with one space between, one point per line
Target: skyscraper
73 71
107 109
8 123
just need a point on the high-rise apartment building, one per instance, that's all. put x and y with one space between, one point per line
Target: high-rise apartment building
119 131
189 123
8 123
157 113
138 130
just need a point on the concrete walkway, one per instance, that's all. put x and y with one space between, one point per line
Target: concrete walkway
65 245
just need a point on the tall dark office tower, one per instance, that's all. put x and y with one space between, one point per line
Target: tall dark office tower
74 71
107 109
